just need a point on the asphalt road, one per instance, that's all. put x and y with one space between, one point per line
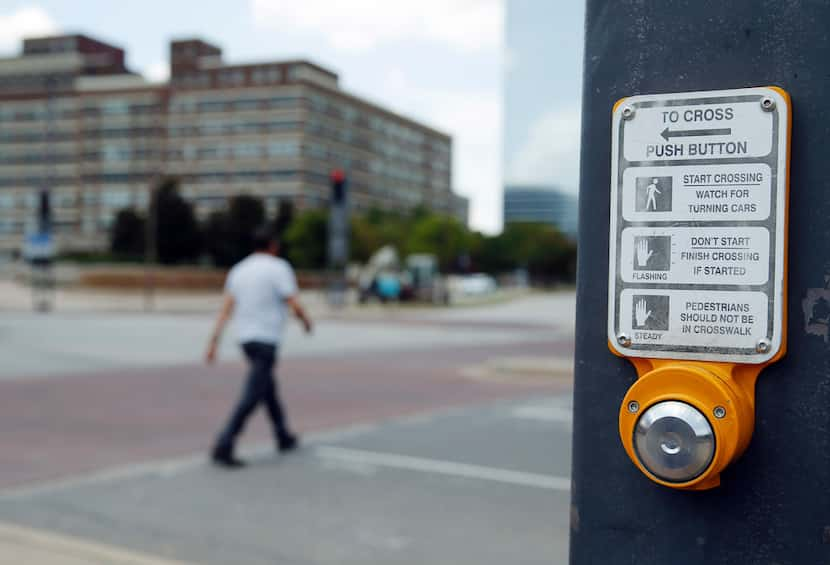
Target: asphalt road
413 453
477 485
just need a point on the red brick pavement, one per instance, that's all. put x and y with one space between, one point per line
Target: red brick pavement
55 428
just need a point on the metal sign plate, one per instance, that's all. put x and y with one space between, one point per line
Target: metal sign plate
39 247
698 225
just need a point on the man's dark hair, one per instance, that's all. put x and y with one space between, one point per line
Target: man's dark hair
263 237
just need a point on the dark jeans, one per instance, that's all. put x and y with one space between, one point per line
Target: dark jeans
260 387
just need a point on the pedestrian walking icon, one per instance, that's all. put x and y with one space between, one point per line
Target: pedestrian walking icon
653 194
651 312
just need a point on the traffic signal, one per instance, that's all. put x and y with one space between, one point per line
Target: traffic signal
44 212
338 186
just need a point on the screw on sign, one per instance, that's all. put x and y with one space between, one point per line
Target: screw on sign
696 272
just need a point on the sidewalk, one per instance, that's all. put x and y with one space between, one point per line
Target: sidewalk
17 297
24 546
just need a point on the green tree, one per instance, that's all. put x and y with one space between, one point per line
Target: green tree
217 245
491 254
127 236
285 215
444 236
552 257
365 239
306 238
544 251
228 232
391 228
178 238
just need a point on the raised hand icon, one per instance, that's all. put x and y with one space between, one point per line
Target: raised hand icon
640 313
643 253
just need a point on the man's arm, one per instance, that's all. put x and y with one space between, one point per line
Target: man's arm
221 320
299 312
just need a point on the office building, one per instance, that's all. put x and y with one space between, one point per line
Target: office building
541 204
74 120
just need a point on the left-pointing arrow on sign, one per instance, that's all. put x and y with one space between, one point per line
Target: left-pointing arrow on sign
667 133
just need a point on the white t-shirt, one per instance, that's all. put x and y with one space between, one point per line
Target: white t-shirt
259 284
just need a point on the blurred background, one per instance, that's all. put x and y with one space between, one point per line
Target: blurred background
420 165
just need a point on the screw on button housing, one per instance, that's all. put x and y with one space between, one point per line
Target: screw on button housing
763 346
623 340
633 406
628 112
719 412
768 103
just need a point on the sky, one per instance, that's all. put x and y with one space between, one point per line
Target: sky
438 61
543 46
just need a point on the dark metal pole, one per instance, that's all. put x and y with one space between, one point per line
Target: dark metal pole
151 223
338 238
150 244
43 276
773 505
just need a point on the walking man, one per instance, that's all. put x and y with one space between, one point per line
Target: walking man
651 195
258 292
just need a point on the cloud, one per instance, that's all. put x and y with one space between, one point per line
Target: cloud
157 72
472 118
510 60
549 153
459 42
25 21
360 25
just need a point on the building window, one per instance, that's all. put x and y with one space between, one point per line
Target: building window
105 219
115 107
349 113
247 151
63 199
284 102
209 152
91 197
318 102
248 127
31 199
184 106
232 77
212 127
316 150
283 149
88 225
142 198
194 79
111 153
249 104
267 75
282 175
116 198
212 106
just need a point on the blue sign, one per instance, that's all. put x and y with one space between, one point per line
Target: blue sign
39 247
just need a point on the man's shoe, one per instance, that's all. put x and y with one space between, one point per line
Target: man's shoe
226 460
288 442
